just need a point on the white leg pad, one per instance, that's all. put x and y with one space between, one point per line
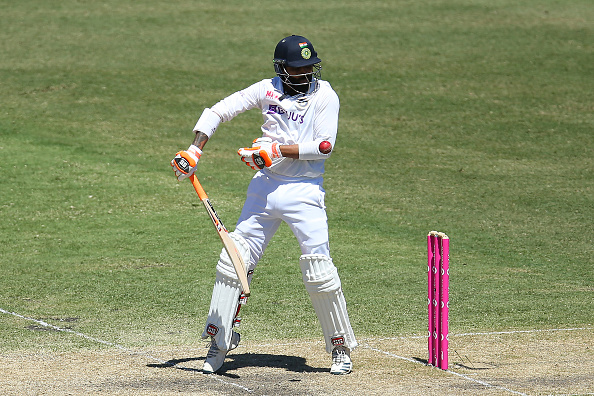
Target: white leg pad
323 285
226 294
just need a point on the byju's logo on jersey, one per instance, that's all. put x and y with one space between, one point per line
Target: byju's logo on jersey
275 109
292 115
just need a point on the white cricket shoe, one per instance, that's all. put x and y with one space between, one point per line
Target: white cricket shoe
341 361
216 357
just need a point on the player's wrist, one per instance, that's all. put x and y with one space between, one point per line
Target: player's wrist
276 150
195 151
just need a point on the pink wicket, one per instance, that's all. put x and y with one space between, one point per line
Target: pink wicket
438 284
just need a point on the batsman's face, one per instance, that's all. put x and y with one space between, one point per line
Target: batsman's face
300 75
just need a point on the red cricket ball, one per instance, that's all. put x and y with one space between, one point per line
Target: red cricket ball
325 147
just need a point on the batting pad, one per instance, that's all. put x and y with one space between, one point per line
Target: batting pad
226 295
323 285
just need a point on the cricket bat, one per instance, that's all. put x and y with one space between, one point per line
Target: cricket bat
228 243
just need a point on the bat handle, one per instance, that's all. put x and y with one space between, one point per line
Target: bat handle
198 187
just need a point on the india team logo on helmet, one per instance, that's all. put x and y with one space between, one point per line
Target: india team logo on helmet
305 52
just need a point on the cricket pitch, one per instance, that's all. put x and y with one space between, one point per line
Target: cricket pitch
539 362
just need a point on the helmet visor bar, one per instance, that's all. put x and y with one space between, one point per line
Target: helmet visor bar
298 79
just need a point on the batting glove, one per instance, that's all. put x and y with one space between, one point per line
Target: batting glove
185 162
261 154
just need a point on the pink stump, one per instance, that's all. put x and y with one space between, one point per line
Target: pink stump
444 302
438 282
430 295
436 298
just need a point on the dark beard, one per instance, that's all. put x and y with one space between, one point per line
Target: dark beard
300 89
294 91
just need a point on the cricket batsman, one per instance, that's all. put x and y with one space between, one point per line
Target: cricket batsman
300 114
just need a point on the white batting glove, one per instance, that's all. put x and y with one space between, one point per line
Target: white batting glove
185 162
261 154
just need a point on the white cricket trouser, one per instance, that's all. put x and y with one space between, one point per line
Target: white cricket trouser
272 199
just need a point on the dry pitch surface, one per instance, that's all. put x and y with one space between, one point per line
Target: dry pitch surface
540 362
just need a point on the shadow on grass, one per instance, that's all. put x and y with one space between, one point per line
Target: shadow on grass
238 361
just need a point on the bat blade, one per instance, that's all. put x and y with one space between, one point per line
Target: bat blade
229 246
228 243
237 261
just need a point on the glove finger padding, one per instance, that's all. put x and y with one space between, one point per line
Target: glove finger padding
250 162
261 154
254 157
261 141
246 154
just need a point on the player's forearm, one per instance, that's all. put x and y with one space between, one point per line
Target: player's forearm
200 140
290 150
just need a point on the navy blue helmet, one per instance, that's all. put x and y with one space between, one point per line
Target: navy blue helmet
296 51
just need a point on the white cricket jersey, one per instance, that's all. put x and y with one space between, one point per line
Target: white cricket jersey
305 120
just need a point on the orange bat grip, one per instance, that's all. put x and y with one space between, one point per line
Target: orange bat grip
198 187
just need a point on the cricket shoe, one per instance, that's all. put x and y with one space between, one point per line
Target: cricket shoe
341 361
216 357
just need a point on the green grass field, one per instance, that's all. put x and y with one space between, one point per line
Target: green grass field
471 117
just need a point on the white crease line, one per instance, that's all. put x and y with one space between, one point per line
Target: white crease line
521 331
486 333
461 335
486 384
123 348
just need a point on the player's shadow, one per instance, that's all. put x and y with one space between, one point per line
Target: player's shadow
235 362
